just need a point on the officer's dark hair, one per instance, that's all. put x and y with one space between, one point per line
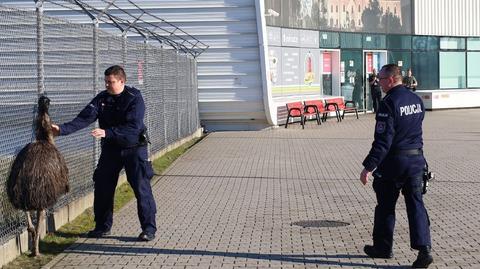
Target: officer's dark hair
117 71
393 70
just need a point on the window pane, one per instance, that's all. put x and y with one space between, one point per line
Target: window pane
348 40
473 43
452 43
425 69
452 70
374 41
473 75
402 59
351 68
329 40
399 42
425 42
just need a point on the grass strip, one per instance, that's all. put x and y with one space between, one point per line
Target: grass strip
55 243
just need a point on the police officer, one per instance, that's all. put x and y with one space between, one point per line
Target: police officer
120 110
375 90
396 157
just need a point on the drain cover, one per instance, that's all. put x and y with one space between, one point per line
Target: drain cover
320 223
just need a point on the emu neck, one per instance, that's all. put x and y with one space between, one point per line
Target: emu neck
43 128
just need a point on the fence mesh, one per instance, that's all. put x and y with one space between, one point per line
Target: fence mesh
74 61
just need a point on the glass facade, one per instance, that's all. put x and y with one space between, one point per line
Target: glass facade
473 43
401 58
351 70
349 46
452 43
425 69
399 42
473 75
374 42
343 16
329 40
350 41
452 70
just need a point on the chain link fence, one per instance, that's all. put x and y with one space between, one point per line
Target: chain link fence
74 58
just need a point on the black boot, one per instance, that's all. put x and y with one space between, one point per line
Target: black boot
424 258
374 252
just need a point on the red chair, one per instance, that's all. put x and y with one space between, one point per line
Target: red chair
343 107
332 106
317 107
296 109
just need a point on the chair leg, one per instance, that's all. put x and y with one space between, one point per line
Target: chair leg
356 113
286 123
319 122
302 120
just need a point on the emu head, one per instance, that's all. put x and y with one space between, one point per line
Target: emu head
43 126
43 104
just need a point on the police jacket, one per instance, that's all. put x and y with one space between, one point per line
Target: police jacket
398 125
121 116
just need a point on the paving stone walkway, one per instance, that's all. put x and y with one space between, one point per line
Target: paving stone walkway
230 202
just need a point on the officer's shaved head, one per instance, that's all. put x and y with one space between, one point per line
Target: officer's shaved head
392 70
117 71
389 77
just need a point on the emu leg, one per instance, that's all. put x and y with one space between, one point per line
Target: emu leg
36 241
30 227
31 230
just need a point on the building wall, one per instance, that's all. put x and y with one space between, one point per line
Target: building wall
229 74
447 17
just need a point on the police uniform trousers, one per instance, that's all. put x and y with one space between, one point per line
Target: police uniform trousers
376 94
400 173
138 171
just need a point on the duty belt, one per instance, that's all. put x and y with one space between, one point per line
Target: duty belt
408 152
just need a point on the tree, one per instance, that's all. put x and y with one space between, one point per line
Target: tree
323 21
391 23
371 16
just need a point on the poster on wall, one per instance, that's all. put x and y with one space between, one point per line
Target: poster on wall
373 16
369 63
310 71
291 71
327 88
275 70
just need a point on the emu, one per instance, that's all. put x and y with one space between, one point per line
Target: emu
39 174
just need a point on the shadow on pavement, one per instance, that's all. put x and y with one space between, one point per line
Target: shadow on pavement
132 250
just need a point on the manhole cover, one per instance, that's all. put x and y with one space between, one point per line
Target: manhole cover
320 223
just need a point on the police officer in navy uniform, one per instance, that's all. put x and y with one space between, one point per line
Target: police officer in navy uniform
397 162
120 110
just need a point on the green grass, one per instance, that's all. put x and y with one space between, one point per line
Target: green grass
55 243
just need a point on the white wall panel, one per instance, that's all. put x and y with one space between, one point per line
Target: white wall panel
229 74
447 17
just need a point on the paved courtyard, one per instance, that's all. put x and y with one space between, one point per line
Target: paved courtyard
230 202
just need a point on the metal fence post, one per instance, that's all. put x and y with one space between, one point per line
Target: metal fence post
96 148
195 91
40 48
178 95
162 61
145 77
124 49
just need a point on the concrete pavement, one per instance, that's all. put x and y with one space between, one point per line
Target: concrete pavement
230 202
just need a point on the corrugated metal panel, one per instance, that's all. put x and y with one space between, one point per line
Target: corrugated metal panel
229 75
447 17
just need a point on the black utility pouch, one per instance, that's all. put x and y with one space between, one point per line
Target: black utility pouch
144 139
427 177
